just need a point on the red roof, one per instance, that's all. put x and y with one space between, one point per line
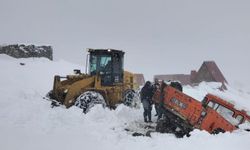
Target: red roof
208 71
215 71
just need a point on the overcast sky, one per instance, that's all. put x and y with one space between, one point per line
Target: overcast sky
158 36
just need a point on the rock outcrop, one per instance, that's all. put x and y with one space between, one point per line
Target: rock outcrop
27 51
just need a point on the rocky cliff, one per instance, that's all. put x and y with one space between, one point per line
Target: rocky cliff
26 51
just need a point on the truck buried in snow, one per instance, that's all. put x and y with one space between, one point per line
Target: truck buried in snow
182 113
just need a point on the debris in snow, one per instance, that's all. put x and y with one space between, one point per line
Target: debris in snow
22 64
138 128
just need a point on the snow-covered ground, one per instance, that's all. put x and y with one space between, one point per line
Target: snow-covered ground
27 122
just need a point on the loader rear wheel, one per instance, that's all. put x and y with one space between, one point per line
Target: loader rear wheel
131 98
89 99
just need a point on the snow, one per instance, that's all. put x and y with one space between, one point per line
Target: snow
27 121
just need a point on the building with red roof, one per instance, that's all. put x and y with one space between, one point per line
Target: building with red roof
208 72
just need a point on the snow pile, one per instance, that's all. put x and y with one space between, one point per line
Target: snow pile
27 121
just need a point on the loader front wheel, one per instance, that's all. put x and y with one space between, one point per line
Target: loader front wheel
131 98
49 95
89 99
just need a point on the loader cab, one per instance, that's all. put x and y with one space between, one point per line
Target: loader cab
108 63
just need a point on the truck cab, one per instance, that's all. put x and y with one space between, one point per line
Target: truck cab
182 113
225 109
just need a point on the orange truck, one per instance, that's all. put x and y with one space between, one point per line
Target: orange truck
182 113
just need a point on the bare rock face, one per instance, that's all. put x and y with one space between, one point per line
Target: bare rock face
27 51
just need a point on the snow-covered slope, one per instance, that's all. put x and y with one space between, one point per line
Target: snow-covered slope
27 121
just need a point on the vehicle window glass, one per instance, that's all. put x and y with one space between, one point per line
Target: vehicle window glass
227 114
105 60
213 105
239 118
93 64
105 64
100 63
106 70
117 64
210 104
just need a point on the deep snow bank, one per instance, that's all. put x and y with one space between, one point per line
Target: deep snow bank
28 122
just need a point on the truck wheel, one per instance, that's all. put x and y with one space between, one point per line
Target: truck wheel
162 126
131 99
88 100
217 131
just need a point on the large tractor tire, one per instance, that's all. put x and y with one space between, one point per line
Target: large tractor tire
89 99
163 126
49 97
131 99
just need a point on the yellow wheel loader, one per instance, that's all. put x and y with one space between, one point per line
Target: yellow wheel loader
105 82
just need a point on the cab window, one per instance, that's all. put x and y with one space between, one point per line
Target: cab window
225 111
213 105
101 64
105 63
239 118
227 114
93 64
